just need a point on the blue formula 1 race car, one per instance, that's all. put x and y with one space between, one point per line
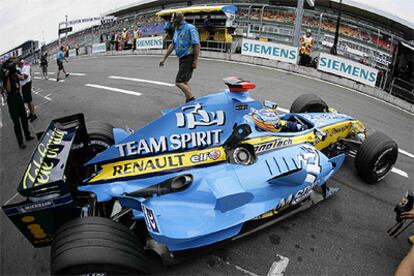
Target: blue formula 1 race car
211 170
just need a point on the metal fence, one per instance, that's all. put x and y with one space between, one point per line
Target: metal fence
358 40
402 89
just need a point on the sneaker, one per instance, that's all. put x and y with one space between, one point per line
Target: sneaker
22 146
189 100
67 75
32 117
29 137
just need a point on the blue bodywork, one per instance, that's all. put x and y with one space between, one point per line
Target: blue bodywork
223 196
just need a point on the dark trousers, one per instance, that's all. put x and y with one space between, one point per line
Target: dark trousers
304 60
18 130
18 115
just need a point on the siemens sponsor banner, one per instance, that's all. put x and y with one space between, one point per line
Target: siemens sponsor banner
347 69
72 52
98 48
270 50
155 42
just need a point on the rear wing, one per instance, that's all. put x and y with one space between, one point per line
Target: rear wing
45 172
43 201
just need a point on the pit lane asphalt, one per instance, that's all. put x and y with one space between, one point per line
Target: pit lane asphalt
345 235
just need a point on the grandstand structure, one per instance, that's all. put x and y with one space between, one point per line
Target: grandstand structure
28 50
368 36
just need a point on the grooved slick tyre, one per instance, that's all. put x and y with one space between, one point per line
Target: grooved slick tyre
100 135
375 157
100 138
96 245
308 103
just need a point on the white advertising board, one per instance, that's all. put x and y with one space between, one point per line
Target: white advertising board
270 50
155 42
98 48
348 69
72 53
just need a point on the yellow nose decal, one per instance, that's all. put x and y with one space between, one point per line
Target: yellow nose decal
28 219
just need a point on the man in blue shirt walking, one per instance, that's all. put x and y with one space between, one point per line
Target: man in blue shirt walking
60 57
186 43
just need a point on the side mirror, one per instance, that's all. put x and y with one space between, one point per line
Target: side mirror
270 104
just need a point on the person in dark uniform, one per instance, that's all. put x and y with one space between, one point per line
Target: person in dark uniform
15 101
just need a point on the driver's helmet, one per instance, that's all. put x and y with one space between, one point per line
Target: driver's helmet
266 119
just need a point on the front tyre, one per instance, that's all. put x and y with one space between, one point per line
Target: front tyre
308 103
96 245
375 157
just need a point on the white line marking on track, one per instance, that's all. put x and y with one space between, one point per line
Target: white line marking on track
269 68
36 91
399 172
36 106
114 89
37 78
50 73
242 269
406 153
142 80
54 73
278 268
47 97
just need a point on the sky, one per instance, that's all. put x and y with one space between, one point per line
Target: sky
22 20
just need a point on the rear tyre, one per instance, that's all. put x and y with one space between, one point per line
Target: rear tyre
100 136
96 245
375 157
308 103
